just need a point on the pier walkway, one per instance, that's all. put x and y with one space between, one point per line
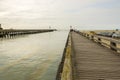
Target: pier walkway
93 61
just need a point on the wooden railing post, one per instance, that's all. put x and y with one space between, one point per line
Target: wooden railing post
88 36
85 35
92 37
113 46
99 40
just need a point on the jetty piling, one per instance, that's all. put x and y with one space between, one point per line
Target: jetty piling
14 32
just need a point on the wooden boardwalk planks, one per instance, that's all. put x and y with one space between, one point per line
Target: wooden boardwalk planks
93 61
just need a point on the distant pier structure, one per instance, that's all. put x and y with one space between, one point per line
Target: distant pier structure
14 32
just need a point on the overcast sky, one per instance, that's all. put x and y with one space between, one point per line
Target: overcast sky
81 14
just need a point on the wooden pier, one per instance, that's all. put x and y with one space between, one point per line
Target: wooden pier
92 58
93 61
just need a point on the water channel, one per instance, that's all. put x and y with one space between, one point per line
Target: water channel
31 57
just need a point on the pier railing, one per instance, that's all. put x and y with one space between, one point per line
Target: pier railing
105 41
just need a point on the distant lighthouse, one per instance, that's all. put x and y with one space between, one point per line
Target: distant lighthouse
1 27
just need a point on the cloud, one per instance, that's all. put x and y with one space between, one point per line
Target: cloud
60 12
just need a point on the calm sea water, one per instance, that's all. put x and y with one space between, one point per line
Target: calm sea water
31 57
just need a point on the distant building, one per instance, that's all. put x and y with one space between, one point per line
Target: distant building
1 27
117 29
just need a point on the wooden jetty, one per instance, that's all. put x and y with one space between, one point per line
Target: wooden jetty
14 32
91 58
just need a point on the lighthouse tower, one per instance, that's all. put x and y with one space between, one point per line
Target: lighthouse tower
1 27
